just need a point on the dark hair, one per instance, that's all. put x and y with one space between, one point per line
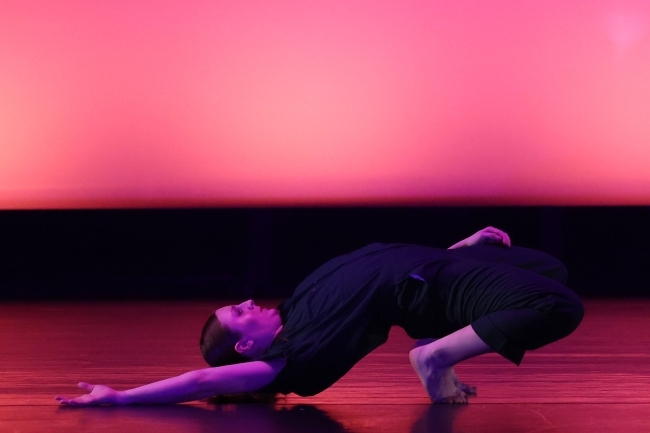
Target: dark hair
218 344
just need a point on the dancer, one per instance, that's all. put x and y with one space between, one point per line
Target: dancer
480 296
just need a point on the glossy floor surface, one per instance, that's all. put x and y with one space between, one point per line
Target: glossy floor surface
596 380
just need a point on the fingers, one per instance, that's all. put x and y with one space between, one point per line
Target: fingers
87 386
65 401
505 238
79 401
490 238
494 235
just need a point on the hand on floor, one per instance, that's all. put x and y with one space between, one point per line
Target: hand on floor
97 394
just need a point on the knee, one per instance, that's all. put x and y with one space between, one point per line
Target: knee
555 270
568 314
577 313
560 273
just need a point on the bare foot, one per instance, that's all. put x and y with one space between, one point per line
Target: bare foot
438 382
467 389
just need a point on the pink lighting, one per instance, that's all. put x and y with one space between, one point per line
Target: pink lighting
223 103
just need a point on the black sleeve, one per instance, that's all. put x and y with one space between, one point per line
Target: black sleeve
523 258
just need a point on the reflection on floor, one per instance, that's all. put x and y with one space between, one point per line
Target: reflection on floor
598 379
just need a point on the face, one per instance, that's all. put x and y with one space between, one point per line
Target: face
258 326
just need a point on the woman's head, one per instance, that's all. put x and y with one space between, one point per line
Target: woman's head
238 333
218 344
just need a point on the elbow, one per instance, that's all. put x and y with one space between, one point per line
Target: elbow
196 381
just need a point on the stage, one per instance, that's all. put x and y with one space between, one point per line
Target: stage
597 379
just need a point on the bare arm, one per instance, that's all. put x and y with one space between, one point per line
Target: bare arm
194 385
489 235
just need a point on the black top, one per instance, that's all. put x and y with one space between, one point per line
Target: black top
345 309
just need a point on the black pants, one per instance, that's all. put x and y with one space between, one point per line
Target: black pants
514 298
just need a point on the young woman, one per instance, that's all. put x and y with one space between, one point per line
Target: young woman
480 296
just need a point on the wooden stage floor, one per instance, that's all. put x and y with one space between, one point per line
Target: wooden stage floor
596 380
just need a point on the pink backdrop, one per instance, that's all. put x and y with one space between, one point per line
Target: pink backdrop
201 103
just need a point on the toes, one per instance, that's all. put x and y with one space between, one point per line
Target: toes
467 389
458 398
452 399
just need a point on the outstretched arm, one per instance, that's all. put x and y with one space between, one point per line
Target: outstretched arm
489 235
194 385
